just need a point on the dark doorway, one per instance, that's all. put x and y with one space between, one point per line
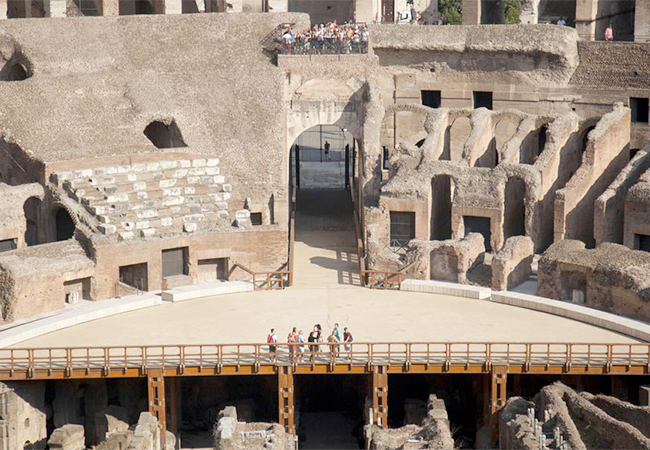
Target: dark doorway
135 275
441 201
174 262
514 220
328 421
493 12
479 225
64 225
31 209
388 11
640 109
16 72
213 269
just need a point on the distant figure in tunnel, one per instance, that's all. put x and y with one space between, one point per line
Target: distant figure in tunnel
609 33
327 151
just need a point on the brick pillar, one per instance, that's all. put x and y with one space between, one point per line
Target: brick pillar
380 395
285 399
173 6
471 12
586 12
110 8
156 390
642 21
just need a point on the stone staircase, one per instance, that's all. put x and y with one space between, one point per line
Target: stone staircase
150 199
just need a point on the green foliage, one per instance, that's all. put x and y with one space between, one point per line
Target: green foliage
513 7
451 11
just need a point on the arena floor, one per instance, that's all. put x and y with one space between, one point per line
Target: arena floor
327 291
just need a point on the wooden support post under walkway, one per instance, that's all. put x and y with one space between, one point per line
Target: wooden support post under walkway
156 390
285 399
498 396
380 395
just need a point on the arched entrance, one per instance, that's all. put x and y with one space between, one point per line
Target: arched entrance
323 170
64 226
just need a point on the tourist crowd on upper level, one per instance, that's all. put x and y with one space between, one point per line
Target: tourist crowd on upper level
329 38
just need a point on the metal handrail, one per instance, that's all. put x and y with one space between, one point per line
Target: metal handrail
355 353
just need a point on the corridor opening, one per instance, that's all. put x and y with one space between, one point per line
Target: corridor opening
330 411
322 168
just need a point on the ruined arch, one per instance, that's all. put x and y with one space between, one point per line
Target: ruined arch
63 223
504 130
514 214
442 194
164 135
32 211
458 134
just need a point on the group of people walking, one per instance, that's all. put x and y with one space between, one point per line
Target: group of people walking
298 346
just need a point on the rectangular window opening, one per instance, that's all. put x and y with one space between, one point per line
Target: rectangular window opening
7 245
640 109
482 100
402 228
432 99
256 218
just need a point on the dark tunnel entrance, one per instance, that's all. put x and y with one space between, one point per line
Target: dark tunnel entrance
329 411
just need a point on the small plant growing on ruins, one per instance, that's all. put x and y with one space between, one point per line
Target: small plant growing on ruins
513 8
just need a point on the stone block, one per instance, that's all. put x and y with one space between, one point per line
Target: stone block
172 201
226 188
107 228
212 171
193 218
172 191
126 235
180 173
168 164
67 437
117 198
139 186
146 214
152 166
167 183
141 225
185 163
131 177
142 195
199 162
123 169
189 227
147 232
219 179
212 162
189 190
166 221
197 171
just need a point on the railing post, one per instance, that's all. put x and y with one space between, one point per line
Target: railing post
285 399
156 391
380 395
498 396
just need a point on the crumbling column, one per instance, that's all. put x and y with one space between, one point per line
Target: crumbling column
22 414
285 399
471 12
68 437
644 395
380 395
642 21
586 12
529 12
156 390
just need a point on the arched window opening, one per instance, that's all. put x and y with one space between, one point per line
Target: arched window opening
458 135
585 139
515 209
164 136
64 225
420 143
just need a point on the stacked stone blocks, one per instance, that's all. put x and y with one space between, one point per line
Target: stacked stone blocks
150 199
